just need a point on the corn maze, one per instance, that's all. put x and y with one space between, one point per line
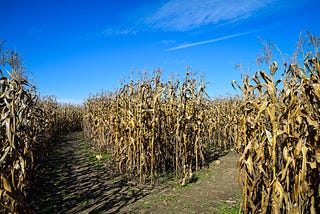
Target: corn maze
279 167
28 123
152 128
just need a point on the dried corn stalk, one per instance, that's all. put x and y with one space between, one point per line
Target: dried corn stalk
151 127
279 167
26 126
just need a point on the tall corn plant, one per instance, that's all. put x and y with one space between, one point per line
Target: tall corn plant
17 103
222 122
279 166
27 125
151 127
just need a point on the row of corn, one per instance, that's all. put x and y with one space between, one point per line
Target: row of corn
27 125
153 127
279 138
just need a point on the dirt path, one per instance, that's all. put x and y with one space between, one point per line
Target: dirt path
74 181
215 191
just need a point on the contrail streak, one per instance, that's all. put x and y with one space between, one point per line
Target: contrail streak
209 41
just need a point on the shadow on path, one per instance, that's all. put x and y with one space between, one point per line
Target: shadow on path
70 183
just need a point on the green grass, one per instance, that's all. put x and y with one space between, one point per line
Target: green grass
165 178
167 198
202 174
225 208
91 156
84 203
145 206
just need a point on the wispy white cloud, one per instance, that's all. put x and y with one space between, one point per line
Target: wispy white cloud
182 15
185 15
209 41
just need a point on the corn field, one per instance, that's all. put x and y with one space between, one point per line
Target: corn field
27 125
153 128
279 167
222 122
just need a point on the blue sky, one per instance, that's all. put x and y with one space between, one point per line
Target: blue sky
74 47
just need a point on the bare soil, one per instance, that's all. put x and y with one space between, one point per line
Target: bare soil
72 180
